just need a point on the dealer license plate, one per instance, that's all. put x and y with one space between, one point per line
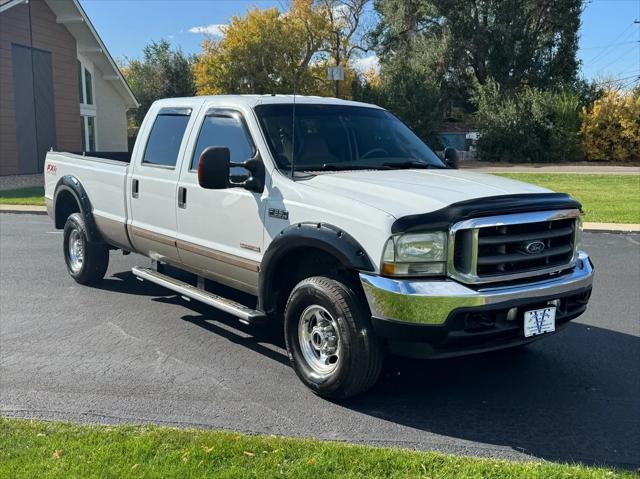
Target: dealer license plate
539 321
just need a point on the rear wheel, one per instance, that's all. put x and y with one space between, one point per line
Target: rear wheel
329 338
87 262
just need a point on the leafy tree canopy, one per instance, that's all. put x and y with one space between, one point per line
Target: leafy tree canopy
264 51
163 72
464 42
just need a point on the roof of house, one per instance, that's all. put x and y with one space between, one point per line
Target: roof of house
71 14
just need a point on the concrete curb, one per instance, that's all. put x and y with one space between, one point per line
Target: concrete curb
601 227
612 227
24 209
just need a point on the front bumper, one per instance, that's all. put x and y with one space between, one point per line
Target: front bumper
446 318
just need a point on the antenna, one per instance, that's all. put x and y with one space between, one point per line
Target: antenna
293 128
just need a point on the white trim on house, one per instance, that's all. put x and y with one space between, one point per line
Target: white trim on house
91 46
11 3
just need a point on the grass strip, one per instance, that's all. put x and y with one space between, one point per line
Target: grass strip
23 196
604 198
58 450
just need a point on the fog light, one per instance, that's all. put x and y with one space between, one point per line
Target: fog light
511 314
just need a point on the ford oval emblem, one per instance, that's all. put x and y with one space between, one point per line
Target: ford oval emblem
533 247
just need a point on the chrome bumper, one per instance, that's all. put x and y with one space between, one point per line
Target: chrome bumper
430 302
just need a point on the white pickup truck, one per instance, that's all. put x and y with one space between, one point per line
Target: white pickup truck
332 217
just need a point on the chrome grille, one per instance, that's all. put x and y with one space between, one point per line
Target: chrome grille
500 248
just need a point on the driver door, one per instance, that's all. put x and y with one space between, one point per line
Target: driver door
220 232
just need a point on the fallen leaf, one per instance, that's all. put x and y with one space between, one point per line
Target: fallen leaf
134 466
250 454
41 434
207 449
57 454
312 461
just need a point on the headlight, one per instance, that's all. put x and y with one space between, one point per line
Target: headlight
415 254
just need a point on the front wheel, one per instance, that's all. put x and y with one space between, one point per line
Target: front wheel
87 262
329 338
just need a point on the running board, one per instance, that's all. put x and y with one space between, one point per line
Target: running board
238 310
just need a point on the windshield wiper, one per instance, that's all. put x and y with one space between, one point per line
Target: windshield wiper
351 166
411 164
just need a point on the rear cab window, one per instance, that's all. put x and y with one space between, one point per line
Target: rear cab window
166 135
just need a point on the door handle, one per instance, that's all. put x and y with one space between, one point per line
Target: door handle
135 188
182 197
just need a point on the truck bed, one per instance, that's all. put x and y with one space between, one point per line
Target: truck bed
104 180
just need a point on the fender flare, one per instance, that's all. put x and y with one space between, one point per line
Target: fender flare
72 185
322 236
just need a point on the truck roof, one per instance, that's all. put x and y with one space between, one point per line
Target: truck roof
254 100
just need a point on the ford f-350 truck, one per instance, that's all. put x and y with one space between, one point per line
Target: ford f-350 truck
332 217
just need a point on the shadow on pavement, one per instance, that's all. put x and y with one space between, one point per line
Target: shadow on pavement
572 397
569 398
558 399
125 282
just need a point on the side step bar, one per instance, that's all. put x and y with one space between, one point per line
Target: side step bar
233 308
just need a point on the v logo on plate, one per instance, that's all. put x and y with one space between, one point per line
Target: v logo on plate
540 316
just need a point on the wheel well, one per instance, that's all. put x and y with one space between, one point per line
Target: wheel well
301 263
66 205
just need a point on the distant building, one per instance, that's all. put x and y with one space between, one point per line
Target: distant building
59 87
460 136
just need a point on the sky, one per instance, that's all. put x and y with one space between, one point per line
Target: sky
609 39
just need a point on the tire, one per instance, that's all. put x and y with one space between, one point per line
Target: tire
328 334
86 262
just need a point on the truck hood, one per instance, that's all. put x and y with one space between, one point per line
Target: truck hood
407 192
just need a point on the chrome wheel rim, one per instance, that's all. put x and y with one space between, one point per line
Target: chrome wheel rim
76 250
319 339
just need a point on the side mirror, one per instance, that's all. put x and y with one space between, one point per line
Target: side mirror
214 171
451 157
213 168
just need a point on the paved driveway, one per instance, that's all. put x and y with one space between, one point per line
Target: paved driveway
131 352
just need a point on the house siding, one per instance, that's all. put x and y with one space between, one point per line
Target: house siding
45 34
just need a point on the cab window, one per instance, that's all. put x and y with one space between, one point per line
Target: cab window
225 129
164 140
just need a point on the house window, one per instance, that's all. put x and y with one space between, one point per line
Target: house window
80 83
83 132
88 87
88 131
85 85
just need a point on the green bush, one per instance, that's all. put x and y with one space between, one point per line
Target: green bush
528 125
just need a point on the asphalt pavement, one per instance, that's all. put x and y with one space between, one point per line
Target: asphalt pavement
131 352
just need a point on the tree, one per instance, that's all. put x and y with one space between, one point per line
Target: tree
264 51
162 73
344 32
611 127
512 42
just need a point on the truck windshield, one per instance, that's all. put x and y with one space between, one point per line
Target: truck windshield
339 137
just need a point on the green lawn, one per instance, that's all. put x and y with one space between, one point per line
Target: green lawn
605 198
58 450
23 196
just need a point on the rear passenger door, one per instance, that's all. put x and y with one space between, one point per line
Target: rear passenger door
153 184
